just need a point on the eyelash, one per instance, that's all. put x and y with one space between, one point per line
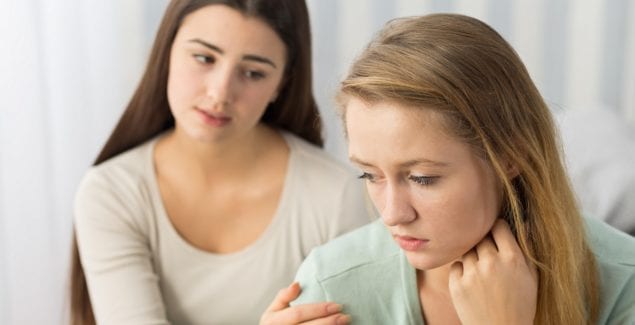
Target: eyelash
249 74
204 59
254 75
420 180
424 180
367 176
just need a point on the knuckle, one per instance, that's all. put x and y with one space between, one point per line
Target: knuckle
514 259
295 315
468 278
456 288
488 265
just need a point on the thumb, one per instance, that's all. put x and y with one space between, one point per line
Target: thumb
284 297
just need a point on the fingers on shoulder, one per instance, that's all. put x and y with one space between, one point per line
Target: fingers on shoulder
315 313
284 297
337 319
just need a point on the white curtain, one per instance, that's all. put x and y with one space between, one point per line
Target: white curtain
68 67
579 53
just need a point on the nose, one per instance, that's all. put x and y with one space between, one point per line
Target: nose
220 87
397 206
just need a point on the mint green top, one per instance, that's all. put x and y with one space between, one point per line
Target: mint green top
368 273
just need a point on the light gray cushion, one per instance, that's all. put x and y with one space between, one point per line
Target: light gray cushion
599 148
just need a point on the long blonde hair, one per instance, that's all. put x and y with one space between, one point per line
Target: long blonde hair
464 69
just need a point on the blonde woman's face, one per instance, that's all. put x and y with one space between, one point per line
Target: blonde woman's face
225 68
436 197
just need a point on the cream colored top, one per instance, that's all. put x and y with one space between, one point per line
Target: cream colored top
141 271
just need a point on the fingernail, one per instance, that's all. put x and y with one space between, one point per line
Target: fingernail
334 308
343 320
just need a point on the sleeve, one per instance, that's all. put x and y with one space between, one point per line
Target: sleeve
115 253
312 290
623 312
354 209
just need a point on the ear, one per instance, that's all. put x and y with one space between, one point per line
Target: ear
274 97
510 169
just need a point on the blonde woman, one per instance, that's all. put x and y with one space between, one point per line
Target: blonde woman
480 226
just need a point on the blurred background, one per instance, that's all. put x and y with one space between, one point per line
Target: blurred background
68 68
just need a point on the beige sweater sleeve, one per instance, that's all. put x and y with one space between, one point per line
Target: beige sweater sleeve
114 250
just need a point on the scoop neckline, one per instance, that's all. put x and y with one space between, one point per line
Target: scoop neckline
253 247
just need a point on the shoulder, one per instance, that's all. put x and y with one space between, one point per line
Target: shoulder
127 166
370 244
615 255
119 187
323 194
324 181
611 246
366 272
315 159
124 174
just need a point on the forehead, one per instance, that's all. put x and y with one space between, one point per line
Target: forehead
387 132
388 118
227 27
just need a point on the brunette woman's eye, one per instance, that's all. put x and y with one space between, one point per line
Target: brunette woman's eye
423 180
254 74
204 59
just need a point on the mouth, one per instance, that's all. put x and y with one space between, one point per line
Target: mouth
408 243
213 119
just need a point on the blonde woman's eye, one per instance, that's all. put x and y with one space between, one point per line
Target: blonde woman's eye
367 176
424 180
205 59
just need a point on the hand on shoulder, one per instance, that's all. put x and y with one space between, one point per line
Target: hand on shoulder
279 312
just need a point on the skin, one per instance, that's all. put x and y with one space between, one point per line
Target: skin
324 313
416 175
219 86
441 201
216 75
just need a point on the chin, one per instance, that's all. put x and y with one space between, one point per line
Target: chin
207 136
425 262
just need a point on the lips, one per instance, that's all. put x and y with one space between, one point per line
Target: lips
408 243
213 119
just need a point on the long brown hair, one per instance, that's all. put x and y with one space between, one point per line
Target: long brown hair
148 113
465 70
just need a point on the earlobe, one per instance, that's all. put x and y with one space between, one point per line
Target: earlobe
511 170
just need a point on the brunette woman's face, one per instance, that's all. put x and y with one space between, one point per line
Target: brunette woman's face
225 68
437 198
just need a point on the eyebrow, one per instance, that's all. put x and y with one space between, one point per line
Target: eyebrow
405 164
249 57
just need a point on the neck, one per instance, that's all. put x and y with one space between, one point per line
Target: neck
435 279
224 158
434 296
